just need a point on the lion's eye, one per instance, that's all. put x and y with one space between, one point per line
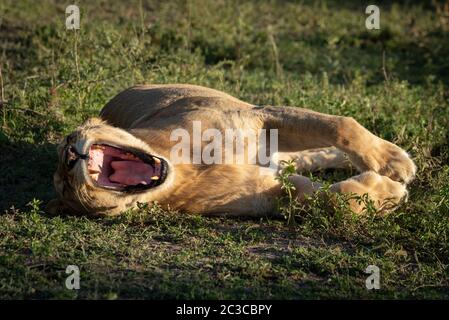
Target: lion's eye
71 157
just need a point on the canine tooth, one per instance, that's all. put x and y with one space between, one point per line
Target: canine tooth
93 171
154 178
131 156
156 160
97 146
94 176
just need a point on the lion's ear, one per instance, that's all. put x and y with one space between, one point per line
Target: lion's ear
54 207
93 122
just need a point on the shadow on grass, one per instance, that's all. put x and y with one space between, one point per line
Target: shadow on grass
159 284
27 173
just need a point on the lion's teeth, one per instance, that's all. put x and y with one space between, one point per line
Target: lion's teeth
156 160
94 176
131 156
98 146
93 171
154 178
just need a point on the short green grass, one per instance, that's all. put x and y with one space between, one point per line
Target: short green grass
314 54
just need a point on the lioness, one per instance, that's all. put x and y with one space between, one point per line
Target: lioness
110 163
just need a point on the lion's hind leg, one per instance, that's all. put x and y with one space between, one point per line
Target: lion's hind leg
311 160
385 193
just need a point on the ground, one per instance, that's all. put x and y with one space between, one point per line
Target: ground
316 55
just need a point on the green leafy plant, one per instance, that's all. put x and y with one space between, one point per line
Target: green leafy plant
322 202
287 204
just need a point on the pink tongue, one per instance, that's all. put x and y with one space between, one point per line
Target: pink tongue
131 172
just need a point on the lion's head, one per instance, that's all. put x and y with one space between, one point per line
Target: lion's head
104 170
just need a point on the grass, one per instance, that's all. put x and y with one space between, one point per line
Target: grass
301 53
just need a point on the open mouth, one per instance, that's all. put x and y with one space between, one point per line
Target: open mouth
125 169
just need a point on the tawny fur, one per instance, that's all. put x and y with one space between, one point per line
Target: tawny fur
143 117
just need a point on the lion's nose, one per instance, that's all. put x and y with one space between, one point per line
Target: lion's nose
73 155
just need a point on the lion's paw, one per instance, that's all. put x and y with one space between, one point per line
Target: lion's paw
389 160
385 193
